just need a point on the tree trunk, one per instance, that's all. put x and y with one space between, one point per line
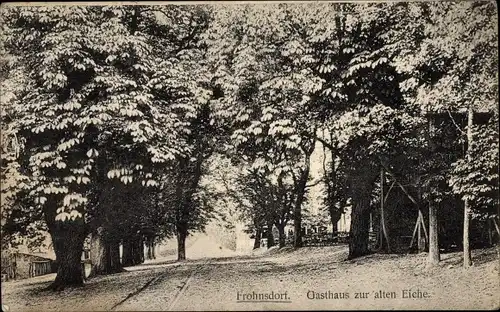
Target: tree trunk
466 240
377 228
334 219
184 194
147 255
421 239
99 253
301 192
383 222
181 243
335 213
258 236
153 249
281 235
360 223
335 226
149 248
467 209
490 238
335 216
335 230
142 249
127 254
297 226
361 180
270 237
114 256
67 238
434 256
138 250
297 211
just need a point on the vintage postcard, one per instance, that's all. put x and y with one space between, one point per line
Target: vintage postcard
250 155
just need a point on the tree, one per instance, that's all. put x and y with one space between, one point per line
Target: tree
454 67
197 100
335 199
475 179
269 113
89 109
353 58
271 200
287 61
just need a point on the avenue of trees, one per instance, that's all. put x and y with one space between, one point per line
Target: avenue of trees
112 117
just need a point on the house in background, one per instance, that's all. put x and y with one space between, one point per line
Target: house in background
24 262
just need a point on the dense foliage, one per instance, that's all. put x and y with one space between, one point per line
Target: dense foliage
112 116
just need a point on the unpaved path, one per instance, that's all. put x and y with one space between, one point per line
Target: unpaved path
214 284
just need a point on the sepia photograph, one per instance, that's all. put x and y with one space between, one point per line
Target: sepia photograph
249 155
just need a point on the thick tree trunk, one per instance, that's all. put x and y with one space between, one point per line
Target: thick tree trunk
281 235
270 237
360 223
434 256
127 254
67 238
99 253
258 236
181 243
361 183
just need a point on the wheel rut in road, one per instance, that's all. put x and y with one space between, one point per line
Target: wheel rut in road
138 291
185 285
180 288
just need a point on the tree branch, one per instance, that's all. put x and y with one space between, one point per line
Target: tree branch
326 144
315 183
399 184
454 122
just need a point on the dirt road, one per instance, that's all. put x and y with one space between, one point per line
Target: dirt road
311 278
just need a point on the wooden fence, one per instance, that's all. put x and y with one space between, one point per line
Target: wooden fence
321 239
325 239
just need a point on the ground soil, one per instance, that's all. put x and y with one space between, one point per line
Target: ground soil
214 283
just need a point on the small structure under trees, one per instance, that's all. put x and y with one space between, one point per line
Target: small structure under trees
403 196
